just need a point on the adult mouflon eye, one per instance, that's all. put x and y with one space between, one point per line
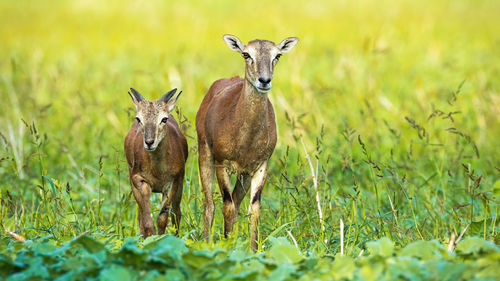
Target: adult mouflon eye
277 58
164 120
245 55
138 120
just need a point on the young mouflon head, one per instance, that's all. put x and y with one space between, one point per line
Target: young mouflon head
261 56
152 116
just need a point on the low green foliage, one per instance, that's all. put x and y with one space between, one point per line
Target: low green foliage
168 258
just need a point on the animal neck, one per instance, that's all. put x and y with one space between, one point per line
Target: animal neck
158 155
252 105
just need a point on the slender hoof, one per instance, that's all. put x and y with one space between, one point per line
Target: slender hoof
149 230
254 247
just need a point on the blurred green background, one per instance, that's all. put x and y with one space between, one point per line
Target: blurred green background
391 98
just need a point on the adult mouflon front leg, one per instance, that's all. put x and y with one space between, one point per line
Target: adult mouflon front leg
206 164
256 187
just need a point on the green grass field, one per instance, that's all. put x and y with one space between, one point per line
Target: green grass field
397 104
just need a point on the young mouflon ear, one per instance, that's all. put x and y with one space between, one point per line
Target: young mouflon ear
135 96
288 44
171 103
166 97
234 43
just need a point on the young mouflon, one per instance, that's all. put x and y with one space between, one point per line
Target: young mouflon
156 152
236 130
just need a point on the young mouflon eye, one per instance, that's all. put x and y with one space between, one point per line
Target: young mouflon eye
245 55
138 120
164 120
277 58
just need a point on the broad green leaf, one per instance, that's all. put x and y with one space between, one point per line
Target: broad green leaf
237 256
83 262
309 263
488 267
248 267
89 244
68 276
444 270
115 272
151 240
169 246
197 259
382 247
49 249
275 241
19 276
475 245
424 250
371 272
282 253
282 272
477 227
44 248
174 275
130 255
36 270
342 268
153 275
7 266
251 274
406 268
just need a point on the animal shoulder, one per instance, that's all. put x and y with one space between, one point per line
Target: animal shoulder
224 85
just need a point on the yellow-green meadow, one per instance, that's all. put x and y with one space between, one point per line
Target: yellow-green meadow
397 104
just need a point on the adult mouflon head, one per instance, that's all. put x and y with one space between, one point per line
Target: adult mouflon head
152 116
261 56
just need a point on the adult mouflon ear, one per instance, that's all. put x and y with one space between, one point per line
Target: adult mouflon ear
135 96
171 103
288 44
166 97
234 43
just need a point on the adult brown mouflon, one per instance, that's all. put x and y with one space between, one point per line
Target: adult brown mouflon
236 130
156 152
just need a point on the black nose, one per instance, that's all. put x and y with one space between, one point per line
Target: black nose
149 142
264 81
